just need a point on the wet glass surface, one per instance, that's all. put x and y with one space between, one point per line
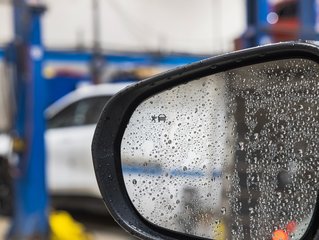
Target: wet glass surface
229 156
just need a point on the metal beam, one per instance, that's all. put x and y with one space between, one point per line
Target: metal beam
257 12
1 54
308 19
123 58
120 57
30 219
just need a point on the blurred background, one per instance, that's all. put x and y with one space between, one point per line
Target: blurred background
61 60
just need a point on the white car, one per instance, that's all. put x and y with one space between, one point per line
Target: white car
70 126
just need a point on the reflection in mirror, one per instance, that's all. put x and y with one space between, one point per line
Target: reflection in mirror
228 156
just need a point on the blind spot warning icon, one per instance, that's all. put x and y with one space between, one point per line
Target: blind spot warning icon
161 118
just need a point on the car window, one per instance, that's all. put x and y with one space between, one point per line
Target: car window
83 112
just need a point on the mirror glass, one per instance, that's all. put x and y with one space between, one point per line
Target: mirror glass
229 156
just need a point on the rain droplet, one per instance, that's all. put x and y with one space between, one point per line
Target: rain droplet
223 210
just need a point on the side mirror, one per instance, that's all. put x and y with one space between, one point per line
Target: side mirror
221 149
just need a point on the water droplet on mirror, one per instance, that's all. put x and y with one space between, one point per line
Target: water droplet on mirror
223 210
241 146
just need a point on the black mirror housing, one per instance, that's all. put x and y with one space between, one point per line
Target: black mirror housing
106 146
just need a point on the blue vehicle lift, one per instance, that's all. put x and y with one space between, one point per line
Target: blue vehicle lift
25 55
257 30
1 54
119 58
256 21
309 15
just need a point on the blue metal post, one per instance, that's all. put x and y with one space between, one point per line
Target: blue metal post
30 220
257 24
308 10
249 37
262 23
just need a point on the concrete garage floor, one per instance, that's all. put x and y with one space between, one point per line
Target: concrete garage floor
101 227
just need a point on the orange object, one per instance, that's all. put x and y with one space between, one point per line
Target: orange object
291 226
280 235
